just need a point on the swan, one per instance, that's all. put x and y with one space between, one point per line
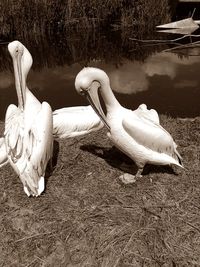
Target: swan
136 133
28 127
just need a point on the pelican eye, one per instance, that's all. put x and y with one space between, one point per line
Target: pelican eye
18 50
82 92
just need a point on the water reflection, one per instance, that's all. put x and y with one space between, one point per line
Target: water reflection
139 74
183 31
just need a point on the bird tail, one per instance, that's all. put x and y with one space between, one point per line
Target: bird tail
180 161
178 157
41 185
31 189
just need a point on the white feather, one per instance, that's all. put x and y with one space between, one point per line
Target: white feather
3 153
75 121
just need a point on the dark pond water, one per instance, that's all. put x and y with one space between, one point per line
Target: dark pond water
139 72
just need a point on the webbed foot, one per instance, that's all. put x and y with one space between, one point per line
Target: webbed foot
127 178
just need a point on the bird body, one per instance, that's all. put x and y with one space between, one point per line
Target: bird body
141 138
3 153
75 121
67 123
28 128
136 133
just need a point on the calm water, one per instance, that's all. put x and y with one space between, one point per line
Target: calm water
166 81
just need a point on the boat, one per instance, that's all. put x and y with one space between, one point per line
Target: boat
180 24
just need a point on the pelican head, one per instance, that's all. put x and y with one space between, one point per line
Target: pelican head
22 62
87 83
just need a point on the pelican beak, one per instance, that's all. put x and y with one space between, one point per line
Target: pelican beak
19 80
93 98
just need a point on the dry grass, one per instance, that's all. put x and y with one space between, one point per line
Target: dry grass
86 217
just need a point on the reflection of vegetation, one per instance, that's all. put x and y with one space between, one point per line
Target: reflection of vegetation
48 15
112 47
91 45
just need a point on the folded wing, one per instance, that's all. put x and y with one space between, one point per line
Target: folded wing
150 135
75 121
30 148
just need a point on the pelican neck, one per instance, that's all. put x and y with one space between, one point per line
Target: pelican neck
109 98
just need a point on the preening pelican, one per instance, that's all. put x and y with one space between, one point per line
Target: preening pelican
136 133
67 122
28 127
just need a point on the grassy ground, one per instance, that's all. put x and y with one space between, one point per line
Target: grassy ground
86 217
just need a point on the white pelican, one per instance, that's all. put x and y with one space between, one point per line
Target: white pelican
67 122
28 127
136 133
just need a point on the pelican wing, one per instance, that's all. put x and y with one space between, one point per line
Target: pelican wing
75 121
38 143
150 135
29 147
151 114
13 132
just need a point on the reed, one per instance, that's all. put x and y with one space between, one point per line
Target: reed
48 15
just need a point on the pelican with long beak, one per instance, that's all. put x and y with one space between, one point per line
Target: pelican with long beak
136 133
67 122
28 127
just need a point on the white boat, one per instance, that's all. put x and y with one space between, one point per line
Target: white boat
180 24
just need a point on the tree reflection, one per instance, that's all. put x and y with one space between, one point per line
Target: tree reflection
83 46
